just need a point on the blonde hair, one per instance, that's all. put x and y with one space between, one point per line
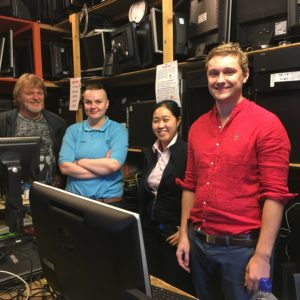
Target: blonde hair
30 80
229 49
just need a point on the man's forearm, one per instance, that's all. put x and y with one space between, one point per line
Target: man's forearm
271 221
187 205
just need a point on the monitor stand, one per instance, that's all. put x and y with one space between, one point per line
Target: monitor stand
14 209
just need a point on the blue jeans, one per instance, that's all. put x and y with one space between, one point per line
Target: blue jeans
218 271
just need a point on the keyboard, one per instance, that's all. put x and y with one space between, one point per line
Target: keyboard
159 293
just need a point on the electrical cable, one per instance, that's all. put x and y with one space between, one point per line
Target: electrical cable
21 279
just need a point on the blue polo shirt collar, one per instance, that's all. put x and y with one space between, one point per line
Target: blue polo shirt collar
87 127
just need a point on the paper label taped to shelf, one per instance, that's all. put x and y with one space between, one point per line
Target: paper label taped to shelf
75 93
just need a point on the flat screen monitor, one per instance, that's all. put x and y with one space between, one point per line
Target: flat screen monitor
7 63
125 48
261 24
210 23
88 249
19 160
93 50
180 30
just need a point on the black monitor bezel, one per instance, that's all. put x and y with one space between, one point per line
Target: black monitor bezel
83 247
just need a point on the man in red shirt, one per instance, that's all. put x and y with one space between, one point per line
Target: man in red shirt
235 186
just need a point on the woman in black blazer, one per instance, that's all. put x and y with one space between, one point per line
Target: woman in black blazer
160 197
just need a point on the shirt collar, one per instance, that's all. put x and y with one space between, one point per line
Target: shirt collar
156 146
87 127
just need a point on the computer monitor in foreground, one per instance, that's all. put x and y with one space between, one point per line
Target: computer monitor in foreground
88 249
19 160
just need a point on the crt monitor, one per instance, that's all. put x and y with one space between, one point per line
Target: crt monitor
260 24
210 23
19 160
7 63
88 249
125 48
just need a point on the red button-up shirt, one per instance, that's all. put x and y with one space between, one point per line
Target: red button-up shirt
232 169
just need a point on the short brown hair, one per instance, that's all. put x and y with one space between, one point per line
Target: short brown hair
32 80
229 49
95 86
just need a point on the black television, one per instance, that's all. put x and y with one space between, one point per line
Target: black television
210 23
180 32
19 160
7 60
88 249
261 24
94 47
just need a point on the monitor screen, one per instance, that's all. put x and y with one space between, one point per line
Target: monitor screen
88 249
263 27
210 23
93 49
19 160
7 53
125 47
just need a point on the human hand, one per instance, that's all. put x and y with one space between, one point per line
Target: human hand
108 154
174 238
183 253
257 267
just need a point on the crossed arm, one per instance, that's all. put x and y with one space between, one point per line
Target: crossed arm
86 168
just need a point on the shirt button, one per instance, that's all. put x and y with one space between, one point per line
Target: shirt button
207 182
217 144
212 163
204 203
220 127
203 221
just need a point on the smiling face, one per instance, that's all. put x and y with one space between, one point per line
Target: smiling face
95 106
226 78
31 101
164 125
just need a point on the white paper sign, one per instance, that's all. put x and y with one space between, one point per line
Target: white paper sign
284 77
167 82
75 93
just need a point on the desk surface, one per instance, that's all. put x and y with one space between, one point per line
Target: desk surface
38 290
